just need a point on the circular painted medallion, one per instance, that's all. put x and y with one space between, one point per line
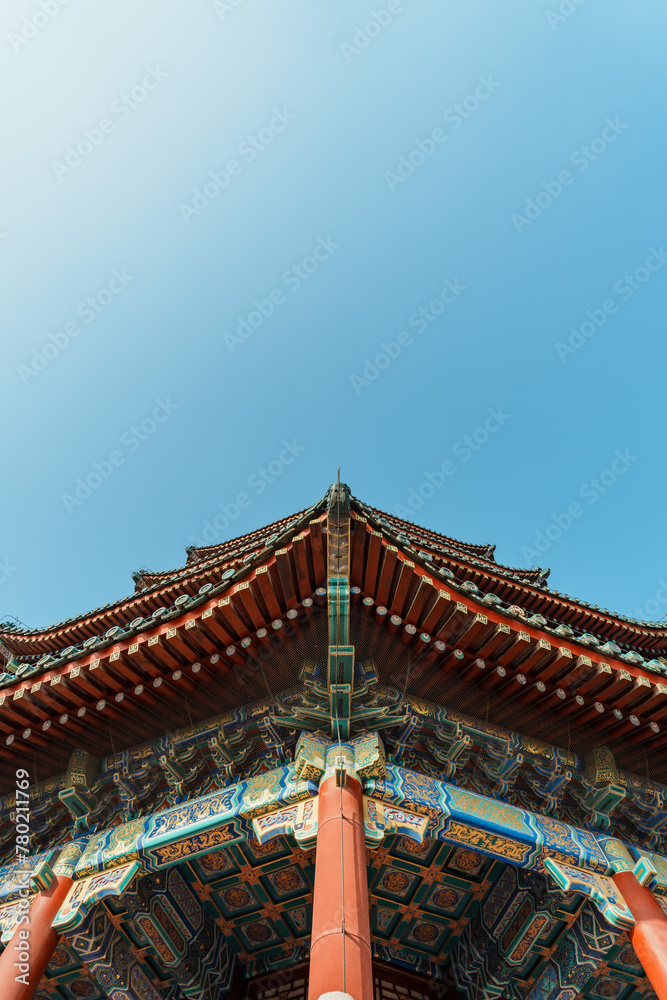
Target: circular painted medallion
236 897
395 881
425 933
60 958
215 862
608 988
287 881
628 956
467 861
257 932
410 846
81 988
445 899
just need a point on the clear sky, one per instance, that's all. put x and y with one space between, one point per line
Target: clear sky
243 242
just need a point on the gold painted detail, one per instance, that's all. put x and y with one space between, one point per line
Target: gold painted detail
261 794
489 810
309 762
89 890
485 841
201 843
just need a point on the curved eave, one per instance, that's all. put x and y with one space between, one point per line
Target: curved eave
517 587
222 632
220 565
451 632
435 617
224 559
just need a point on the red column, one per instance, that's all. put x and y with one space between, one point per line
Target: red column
41 942
341 960
649 935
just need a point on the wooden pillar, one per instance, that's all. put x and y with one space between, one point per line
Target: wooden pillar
39 945
649 935
340 952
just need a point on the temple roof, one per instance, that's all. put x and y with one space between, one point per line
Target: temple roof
210 569
244 616
441 620
210 676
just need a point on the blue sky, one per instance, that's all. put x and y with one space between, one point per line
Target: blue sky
421 240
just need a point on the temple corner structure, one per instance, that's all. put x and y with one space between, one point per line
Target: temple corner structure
339 754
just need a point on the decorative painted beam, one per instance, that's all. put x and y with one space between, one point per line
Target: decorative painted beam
497 829
340 668
285 801
87 892
299 821
161 839
195 827
455 815
598 794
